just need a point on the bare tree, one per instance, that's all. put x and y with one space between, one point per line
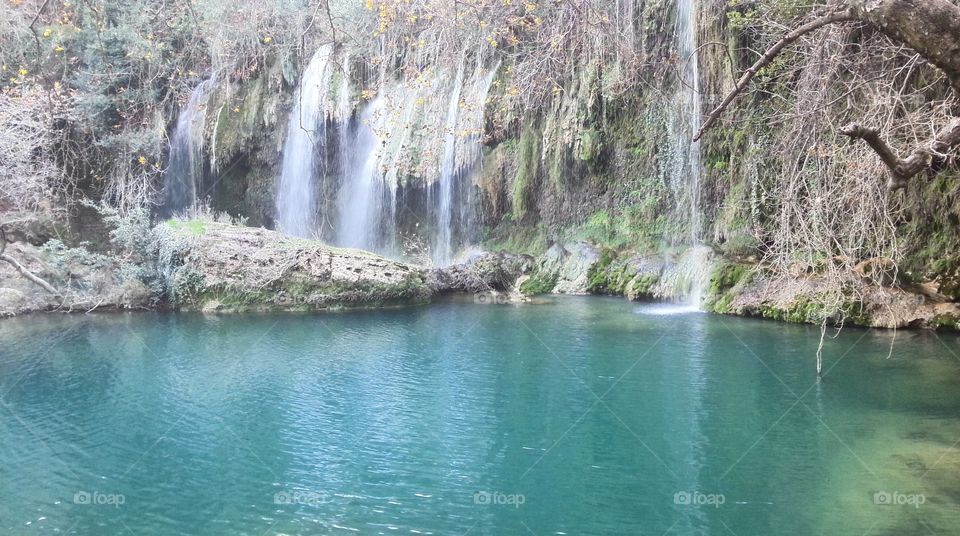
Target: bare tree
32 182
930 27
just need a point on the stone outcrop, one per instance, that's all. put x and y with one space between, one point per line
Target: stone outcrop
801 300
481 272
220 267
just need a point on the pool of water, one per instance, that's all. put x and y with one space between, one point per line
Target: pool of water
571 416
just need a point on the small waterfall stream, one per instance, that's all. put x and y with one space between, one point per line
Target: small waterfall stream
686 165
185 170
441 252
686 169
306 134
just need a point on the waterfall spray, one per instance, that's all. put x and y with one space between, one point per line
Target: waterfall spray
362 185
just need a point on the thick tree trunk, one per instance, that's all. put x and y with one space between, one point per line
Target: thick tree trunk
931 27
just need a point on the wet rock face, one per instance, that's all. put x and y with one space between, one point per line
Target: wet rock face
572 263
213 266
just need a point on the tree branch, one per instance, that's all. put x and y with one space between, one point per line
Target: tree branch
20 268
771 53
33 29
902 169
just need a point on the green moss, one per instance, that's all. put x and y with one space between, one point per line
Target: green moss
642 284
598 279
726 275
527 172
193 227
540 283
590 145
930 232
812 310
514 238
723 280
740 246
946 321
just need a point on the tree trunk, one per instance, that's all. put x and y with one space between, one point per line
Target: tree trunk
931 27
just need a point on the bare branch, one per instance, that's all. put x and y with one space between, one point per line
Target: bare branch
902 169
768 56
20 268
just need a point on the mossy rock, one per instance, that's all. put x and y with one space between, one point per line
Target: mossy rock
725 281
540 282
641 285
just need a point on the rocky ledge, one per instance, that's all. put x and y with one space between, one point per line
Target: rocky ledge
220 267
209 266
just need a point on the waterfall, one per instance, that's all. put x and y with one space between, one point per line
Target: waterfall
185 170
441 247
686 167
693 269
686 279
473 150
398 174
362 185
306 135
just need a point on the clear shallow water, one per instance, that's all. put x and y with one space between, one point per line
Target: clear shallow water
595 415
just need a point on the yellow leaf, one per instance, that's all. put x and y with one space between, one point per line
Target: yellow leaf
24 72
267 39
48 32
58 48
142 159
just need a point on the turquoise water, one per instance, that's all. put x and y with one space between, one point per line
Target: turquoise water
573 416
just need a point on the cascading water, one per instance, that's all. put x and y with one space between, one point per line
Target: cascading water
442 247
185 171
362 186
306 132
396 168
686 167
685 170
